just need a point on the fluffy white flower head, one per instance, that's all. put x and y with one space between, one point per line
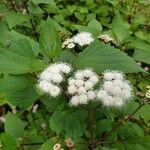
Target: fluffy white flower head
51 77
115 91
83 38
81 87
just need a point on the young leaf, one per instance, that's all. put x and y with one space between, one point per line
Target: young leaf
14 126
119 29
50 41
103 57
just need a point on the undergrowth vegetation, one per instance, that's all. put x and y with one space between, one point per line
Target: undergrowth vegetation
74 74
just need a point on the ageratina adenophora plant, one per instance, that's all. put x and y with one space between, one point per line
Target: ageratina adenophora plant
74 75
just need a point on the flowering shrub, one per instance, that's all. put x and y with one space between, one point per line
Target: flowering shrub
74 75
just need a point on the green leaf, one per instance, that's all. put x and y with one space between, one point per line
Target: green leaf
131 130
103 57
50 41
14 125
95 25
15 18
48 144
18 91
73 124
42 1
119 28
103 125
18 58
9 142
142 51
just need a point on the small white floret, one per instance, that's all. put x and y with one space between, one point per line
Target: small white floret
108 76
72 81
72 89
87 73
88 85
102 94
83 99
108 85
45 86
91 95
57 78
74 101
54 91
118 102
94 79
79 75
81 90
79 83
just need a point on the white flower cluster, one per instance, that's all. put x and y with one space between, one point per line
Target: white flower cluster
82 39
115 90
106 38
69 43
148 92
81 87
51 78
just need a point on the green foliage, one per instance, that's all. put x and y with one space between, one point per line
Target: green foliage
101 57
14 126
73 124
31 37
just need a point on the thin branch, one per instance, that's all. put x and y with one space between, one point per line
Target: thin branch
120 123
91 127
31 21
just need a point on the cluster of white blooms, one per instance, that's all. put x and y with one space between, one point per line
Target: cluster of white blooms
106 38
50 78
69 43
148 92
81 87
115 90
82 39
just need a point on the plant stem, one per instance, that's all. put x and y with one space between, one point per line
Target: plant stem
91 127
120 123
31 21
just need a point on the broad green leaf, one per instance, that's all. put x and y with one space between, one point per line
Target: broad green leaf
119 29
8 142
15 18
142 51
103 57
14 125
50 41
73 124
18 91
18 58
